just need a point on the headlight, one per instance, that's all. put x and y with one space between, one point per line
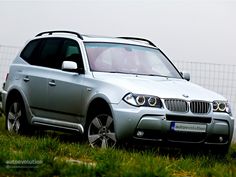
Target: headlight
142 100
221 106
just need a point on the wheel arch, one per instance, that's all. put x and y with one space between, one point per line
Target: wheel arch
15 94
99 109
97 105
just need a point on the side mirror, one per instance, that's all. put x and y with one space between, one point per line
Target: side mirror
69 66
186 76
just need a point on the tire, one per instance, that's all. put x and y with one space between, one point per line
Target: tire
100 131
16 121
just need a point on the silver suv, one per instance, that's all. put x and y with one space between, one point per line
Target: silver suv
111 90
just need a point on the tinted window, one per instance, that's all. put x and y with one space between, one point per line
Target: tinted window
49 53
27 53
71 52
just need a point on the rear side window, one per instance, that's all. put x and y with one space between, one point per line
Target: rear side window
50 52
27 53
43 52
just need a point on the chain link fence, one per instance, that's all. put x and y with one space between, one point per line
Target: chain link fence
216 77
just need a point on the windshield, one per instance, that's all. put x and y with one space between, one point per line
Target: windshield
130 59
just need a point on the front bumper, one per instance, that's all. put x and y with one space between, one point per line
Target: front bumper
154 124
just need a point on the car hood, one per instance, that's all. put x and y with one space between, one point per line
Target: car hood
159 86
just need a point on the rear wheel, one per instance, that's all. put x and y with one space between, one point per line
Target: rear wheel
101 131
16 121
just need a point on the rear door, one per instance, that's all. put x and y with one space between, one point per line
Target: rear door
34 83
41 59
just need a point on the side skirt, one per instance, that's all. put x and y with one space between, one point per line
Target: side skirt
57 124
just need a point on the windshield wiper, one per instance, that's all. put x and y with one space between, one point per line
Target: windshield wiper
119 72
155 75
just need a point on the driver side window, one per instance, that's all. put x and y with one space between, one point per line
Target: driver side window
71 52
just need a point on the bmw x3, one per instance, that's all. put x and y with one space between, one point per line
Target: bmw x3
110 90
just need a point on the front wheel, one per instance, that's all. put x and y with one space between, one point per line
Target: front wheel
101 131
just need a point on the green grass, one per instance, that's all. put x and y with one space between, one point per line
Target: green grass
57 156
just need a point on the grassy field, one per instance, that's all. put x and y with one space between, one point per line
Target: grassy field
53 154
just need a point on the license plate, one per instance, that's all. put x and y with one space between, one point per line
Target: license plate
185 127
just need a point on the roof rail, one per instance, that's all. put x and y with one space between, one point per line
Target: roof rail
50 33
139 39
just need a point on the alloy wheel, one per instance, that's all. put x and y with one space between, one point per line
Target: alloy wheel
13 118
101 132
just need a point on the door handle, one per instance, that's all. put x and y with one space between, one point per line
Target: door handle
52 83
26 79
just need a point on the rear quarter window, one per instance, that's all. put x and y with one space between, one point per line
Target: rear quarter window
28 51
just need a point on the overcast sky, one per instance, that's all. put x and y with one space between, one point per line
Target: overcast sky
191 30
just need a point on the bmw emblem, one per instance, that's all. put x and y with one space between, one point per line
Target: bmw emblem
185 96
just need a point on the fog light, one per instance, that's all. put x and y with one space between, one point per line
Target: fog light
140 133
221 139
